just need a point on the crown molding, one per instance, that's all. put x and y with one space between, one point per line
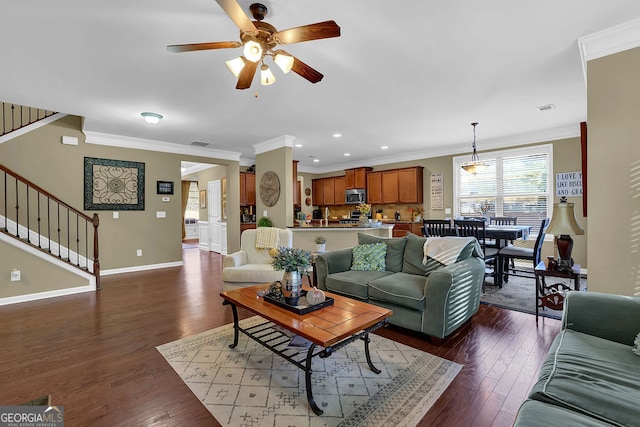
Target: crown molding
274 143
609 41
120 141
538 137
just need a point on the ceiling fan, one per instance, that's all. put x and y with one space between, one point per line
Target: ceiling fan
259 39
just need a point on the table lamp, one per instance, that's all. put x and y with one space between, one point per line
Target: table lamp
563 223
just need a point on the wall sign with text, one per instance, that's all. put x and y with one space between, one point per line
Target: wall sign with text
569 184
437 192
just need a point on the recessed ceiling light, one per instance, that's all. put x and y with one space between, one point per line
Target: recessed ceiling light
298 145
151 118
347 154
546 107
337 135
384 147
316 160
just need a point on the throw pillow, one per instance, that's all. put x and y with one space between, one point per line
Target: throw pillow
636 345
369 257
395 249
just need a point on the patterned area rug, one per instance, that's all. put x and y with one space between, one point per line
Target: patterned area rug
520 294
251 386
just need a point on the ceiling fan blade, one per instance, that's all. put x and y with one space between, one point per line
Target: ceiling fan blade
237 15
302 69
246 75
202 46
319 30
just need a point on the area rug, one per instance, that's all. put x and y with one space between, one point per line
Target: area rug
251 386
520 294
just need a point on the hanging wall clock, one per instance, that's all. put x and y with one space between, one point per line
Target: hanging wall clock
270 188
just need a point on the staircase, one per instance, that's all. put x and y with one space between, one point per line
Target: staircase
15 117
35 217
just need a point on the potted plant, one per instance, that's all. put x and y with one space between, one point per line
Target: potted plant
321 244
265 221
294 262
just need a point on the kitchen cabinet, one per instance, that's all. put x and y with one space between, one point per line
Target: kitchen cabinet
400 229
247 189
395 186
338 190
328 191
410 185
390 186
356 178
247 226
296 185
317 192
374 188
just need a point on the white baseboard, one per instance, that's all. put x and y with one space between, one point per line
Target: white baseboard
140 268
48 294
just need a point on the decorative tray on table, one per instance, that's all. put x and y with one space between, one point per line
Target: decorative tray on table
303 308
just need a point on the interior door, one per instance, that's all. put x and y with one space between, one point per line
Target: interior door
215 215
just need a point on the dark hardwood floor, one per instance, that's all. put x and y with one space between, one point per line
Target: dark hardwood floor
95 353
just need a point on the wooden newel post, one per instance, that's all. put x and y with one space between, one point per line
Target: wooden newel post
96 254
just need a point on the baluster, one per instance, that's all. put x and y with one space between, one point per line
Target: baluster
58 221
39 223
28 219
68 237
77 240
17 209
6 219
49 222
86 243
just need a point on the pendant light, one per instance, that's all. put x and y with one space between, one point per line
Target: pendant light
475 165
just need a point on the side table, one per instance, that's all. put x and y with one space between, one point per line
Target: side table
552 296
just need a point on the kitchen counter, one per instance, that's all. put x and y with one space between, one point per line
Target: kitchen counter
338 235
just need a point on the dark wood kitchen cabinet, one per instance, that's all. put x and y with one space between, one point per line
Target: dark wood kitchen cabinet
374 188
410 187
356 178
247 189
390 186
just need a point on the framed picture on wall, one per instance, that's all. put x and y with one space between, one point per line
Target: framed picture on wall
203 199
164 187
113 185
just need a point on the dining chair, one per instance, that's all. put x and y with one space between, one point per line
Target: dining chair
436 227
504 220
511 252
476 228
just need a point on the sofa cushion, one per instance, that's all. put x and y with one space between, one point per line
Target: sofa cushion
406 290
369 257
592 375
353 283
533 413
413 256
395 249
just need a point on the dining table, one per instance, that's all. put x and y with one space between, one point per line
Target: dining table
503 234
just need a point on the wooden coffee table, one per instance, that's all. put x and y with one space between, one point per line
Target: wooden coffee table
328 329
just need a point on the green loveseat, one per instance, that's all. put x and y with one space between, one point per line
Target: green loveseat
591 376
431 298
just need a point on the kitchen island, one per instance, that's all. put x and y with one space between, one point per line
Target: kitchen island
338 235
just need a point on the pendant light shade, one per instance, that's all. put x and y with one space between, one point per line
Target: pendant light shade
235 65
475 165
285 62
253 51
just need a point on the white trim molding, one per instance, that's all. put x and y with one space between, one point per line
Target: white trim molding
141 268
607 42
31 127
111 140
274 143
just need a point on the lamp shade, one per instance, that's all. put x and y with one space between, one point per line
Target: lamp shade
253 51
563 221
266 76
285 62
235 65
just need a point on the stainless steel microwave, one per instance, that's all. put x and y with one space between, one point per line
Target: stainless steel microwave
355 196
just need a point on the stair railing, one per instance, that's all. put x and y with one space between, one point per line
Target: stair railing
16 117
35 216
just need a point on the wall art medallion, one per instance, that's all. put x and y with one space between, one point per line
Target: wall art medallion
270 188
113 185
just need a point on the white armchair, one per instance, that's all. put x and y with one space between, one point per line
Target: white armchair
250 265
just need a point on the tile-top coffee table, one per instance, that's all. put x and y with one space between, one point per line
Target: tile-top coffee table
328 329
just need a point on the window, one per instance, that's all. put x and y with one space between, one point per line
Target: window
192 214
515 183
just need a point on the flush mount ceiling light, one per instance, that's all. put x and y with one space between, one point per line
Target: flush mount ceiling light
151 118
475 165
259 39
545 107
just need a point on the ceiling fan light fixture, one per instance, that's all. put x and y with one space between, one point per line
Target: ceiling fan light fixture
253 51
266 76
151 118
235 65
285 62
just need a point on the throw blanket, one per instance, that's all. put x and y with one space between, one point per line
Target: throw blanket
267 237
446 250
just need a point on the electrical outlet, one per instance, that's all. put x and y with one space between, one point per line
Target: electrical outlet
15 275
139 252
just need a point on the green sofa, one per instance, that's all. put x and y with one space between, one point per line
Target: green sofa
431 298
591 376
